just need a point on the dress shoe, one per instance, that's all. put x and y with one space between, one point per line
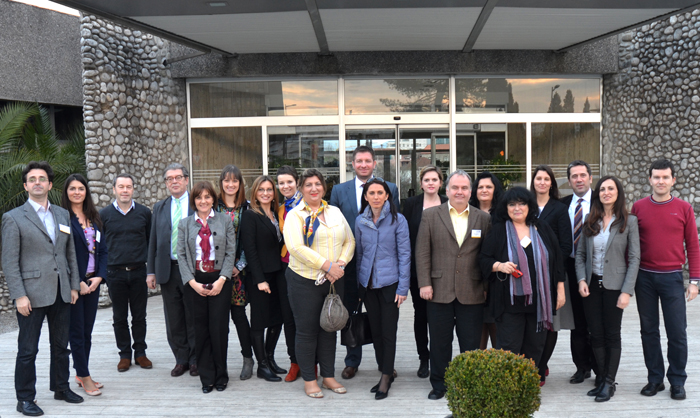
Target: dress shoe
435 395
207 389
652 389
144 362
339 390
29 408
598 386
607 390
124 365
79 382
276 369
247 371
423 369
95 392
178 370
580 376
68 396
677 392
221 387
194 371
293 373
349 372
543 380
381 395
264 372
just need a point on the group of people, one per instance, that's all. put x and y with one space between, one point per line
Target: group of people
514 266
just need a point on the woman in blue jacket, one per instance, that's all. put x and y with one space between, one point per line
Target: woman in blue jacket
383 252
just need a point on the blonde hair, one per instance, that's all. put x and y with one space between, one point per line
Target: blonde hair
254 204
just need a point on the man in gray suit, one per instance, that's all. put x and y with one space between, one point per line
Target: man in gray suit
42 274
163 269
347 197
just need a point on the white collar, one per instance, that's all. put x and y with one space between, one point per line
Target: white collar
586 197
211 215
359 183
37 207
182 198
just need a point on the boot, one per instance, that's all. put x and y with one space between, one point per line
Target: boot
607 391
247 370
273 335
264 371
600 357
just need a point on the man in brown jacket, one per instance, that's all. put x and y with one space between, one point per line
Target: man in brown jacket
447 251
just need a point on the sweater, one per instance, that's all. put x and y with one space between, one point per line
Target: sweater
127 235
663 229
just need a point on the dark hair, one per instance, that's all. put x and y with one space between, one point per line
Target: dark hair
254 204
662 165
554 189
364 148
364 203
199 188
497 190
577 163
89 208
38 165
288 170
124 176
427 169
522 195
176 166
591 226
232 170
307 174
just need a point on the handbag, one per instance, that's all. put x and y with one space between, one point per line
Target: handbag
334 316
357 332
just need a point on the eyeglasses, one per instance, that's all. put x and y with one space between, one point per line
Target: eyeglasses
266 190
37 180
169 180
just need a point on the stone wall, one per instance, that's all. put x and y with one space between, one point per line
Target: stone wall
651 107
5 302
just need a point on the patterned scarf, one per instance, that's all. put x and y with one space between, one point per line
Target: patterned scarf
204 234
522 286
311 224
292 202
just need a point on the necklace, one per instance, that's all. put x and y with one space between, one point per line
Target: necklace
87 229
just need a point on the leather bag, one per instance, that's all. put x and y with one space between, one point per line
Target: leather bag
334 316
357 332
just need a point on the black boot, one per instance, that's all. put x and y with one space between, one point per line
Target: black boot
600 357
607 391
273 335
264 371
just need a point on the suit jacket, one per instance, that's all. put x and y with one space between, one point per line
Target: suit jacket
224 245
159 242
621 257
31 262
82 254
344 197
556 215
451 270
413 212
260 245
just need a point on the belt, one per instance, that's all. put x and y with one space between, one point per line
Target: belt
173 262
599 279
205 266
128 268
88 275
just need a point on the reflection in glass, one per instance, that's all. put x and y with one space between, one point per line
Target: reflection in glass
418 148
264 98
214 148
383 141
527 95
305 147
396 95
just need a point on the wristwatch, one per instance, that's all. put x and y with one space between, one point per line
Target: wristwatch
695 282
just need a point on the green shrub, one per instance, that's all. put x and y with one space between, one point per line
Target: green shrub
492 383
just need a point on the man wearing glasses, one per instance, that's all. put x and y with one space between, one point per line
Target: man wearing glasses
163 268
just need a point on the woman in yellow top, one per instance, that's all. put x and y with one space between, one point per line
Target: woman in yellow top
320 243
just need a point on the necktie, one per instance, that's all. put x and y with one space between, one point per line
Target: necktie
176 222
578 222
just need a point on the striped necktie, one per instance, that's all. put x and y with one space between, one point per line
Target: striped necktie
578 222
176 222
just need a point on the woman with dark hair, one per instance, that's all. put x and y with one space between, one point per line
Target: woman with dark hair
607 262
261 239
383 271
430 181
86 229
320 244
555 214
206 251
528 286
486 193
233 203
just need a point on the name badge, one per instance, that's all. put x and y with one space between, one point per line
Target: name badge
476 233
64 228
97 236
525 242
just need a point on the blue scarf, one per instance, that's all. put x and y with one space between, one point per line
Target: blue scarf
292 202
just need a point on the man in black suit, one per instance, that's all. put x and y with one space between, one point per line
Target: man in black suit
163 268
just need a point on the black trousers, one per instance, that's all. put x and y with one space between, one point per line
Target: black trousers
383 323
179 322
443 318
211 331
351 297
82 321
312 342
581 351
290 329
517 333
129 292
240 320
420 321
603 316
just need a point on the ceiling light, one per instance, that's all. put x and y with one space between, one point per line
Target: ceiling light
218 4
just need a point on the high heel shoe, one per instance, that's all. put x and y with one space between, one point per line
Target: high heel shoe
382 395
96 392
79 381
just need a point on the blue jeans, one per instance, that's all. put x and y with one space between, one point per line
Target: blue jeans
667 287
82 321
129 292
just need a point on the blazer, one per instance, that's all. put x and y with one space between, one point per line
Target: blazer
31 261
556 215
413 212
260 245
621 258
81 250
451 270
344 197
224 245
159 242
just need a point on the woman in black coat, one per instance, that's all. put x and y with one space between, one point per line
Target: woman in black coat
266 285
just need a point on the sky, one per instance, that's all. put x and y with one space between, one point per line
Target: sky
46 4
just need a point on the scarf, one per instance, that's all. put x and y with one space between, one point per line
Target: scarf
311 223
292 202
522 286
204 234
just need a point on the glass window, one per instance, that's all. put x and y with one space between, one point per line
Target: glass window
528 95
264 98
396 96
214 148
382 140
305 147
418 148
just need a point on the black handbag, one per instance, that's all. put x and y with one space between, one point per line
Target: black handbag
357 331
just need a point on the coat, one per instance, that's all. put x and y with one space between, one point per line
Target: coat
413 211
224 245
82 254
160 240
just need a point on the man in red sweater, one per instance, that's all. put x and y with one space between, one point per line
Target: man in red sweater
666 223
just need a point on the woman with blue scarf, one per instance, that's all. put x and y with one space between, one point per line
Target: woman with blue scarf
383 254
522 260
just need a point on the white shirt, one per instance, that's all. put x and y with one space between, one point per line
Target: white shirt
359 190
46 217
184 205
198 240
600 241
585 208
116 205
